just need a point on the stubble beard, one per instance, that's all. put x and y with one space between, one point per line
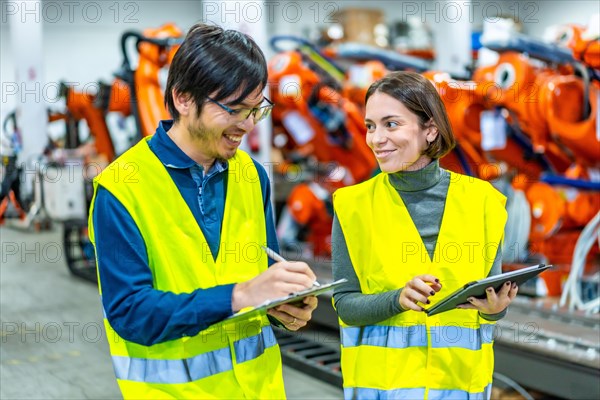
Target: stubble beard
203 137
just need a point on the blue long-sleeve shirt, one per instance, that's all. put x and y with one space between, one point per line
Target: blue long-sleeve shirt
136 311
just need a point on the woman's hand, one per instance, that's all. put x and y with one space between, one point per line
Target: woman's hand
417 290
494 302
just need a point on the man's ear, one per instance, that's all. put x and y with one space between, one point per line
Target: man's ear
183 103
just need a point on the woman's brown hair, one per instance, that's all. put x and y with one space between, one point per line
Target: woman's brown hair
419 95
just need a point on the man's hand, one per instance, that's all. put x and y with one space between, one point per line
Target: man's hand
294 317
494 302
417 290
279 280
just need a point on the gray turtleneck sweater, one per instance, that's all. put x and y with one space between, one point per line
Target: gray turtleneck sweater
424 194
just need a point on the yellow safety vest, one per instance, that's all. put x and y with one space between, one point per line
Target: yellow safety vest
411 355
227 360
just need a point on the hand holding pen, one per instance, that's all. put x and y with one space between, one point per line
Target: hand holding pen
292 316
279 280
277 257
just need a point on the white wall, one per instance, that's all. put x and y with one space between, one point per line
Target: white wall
81 37
86 50
557 12
535 14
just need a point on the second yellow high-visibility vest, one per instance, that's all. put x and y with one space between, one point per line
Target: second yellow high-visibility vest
227 360
411 355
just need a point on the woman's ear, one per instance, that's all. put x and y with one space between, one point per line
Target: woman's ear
431 132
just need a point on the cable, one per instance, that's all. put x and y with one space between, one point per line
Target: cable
313 52
585 76
584 244
463 160
512 384
518 223
521 139
572 290
584 184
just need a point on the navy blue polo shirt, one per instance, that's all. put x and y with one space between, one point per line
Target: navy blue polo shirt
136 311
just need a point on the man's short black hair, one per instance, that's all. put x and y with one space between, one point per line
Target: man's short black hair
215 61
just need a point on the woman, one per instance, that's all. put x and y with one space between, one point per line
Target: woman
407 238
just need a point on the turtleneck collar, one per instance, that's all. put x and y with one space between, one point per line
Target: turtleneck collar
414 181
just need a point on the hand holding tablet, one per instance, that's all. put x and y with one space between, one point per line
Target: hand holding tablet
478 288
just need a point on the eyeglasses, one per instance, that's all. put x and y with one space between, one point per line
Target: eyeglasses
241 114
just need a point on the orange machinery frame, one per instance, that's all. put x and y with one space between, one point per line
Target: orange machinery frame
156 48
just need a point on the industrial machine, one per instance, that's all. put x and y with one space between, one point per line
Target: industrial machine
136 91
550 98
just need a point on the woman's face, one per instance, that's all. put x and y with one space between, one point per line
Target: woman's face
395 136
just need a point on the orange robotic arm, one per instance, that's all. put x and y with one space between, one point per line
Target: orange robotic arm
464 106
83 106
584 43
317 117
514 83
307 204
156 48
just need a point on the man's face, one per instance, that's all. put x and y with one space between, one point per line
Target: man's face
218 132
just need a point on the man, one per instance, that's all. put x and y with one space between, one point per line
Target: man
177 223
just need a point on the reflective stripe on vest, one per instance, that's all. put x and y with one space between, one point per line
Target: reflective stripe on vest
396 394
401 337
398 337
416 393
460 394
251 347
194 368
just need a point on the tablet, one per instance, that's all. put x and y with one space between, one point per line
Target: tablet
477 288
291 298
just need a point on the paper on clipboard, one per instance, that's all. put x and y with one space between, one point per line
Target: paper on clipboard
293 297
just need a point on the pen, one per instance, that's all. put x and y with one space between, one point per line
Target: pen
277 257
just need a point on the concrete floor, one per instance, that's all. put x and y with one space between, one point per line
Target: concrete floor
52 338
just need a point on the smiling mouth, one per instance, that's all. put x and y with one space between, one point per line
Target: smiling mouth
235 139
383 153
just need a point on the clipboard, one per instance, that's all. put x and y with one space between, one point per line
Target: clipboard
477 288
291 298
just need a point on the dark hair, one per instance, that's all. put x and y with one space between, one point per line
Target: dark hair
419 95
218 62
